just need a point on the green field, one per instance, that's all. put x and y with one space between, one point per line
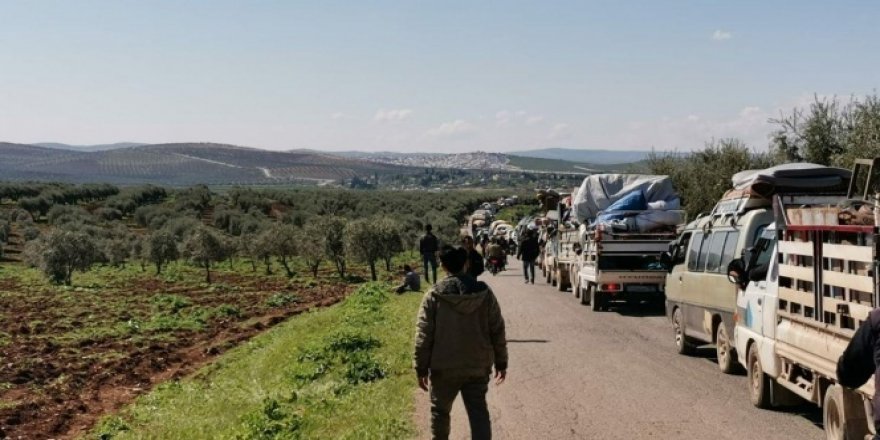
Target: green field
338 373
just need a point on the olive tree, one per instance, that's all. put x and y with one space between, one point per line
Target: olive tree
364 243
61 252
312 243
334 242
161 248
204 247
390 236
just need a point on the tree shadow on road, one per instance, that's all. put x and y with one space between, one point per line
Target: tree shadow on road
527 341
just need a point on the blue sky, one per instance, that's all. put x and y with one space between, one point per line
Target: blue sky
425 76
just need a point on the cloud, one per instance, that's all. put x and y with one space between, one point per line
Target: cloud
502 118
392 115
338 115
692 131
456 129
532 120
720 35
559 131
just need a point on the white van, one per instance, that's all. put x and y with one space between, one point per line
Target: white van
700 301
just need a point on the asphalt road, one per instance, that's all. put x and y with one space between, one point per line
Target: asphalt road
577 374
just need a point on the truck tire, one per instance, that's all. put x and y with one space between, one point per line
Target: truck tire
682 344
759 383
585 295
560 282
843 414
726 356
549 276
596 299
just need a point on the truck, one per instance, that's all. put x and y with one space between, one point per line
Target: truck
619 266
559 236
801 292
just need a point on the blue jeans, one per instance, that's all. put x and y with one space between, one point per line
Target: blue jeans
529 267
473 390
430 259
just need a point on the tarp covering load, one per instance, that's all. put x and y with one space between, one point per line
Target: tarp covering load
792 178
600 191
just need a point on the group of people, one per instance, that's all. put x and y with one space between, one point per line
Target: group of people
460 335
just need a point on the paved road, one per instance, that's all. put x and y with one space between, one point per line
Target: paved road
577 374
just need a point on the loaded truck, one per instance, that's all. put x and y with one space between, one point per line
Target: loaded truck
627 221
619 266
802 291
560 237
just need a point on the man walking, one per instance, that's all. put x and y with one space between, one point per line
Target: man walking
859 361
459 337
475 265
428 247
528 252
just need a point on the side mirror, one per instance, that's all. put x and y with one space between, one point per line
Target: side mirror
667 260
736 273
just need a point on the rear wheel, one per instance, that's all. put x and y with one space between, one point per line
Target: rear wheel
585 295
843 414
726 359
759 383
549 276
596 299
682 345
560 282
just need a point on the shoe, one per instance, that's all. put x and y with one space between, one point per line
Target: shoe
533 281
527 281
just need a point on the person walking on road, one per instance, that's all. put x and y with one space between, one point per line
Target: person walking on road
528 252
459 338
475 265
428 247
860 360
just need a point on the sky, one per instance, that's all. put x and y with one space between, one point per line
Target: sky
424 76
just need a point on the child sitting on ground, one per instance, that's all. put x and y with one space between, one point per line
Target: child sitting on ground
411 281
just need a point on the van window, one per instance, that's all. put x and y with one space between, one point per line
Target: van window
713 251
694 253
729 249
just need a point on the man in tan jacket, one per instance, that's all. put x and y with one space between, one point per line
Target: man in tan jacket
459 338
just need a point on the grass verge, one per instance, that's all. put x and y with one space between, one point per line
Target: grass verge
339 373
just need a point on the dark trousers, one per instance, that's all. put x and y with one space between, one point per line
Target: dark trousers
444 389
430 258
529 267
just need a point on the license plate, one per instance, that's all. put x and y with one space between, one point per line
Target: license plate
641 289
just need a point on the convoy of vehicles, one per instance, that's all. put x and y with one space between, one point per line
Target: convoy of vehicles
778 277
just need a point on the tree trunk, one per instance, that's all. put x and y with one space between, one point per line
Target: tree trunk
268 264
286 267
253 265
158 268
208 272
373 270
388 264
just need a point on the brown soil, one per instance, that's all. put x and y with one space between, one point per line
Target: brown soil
54 390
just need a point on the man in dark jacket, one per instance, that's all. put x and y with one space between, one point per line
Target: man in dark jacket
861 359
459 338
475 265
428 247
528 252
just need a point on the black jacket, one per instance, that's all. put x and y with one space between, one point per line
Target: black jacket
529 249
428 244
861 359
475 263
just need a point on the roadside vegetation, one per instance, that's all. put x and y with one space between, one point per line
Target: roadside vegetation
106 291
338 373
830 131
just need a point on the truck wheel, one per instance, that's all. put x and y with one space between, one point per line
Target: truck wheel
550 277
759 383
726 358
843 414
682 345
560 282
596 300
585 295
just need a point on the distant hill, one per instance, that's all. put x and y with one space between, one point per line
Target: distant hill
602 157
181 164
540 164
99 147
